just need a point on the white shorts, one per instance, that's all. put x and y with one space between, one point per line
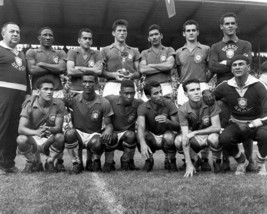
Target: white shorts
86 137
202 140
56 94
114 88
158 139
120 134
166 88
181 98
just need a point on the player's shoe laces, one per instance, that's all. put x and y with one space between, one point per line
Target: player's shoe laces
148 164
60 166
49 167
241 168
217 166
205 166
262 169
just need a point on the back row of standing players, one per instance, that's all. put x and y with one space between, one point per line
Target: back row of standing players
155 63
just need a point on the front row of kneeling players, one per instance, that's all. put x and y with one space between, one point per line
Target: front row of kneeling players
158 126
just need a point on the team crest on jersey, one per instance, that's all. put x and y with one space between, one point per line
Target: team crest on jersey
130 57
95 115
52 119
242 102
18 61
91 63
55 59
230 53
163 58
131 118
198 58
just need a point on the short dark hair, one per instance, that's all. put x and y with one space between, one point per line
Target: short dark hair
119 22
127 84
6 24
149 85
44 28
84 30
228 14
91 73
187 82
154 27
190 22
44 79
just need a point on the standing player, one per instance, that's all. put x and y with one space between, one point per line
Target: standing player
14 83
83 59
123 121
89 112
46 61
192 63
40 127
247 99
200 125
157 61
121 61
157 125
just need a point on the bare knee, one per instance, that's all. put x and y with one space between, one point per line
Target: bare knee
70 136
213 140
22 142
178 142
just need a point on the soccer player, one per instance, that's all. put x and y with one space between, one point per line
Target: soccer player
157 126
200 125
120 60
46 61
89 112
157 61
192 63
40 127
82 60
123 120
247 99
14 85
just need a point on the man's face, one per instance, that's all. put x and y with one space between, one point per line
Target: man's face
46 91
120 33
193 92
229 26
86 40
11 35
154 37
127 95
156 95
88 84
46 38
191 33
240 68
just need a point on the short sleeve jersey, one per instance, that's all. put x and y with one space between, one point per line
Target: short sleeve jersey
37 116
88 116
124 117
146 110
151 57
76 56
196 120
51 57
113 61
194 65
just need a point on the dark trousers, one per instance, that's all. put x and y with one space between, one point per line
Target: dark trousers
232 135
10 108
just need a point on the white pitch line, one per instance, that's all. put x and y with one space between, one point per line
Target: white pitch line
112 204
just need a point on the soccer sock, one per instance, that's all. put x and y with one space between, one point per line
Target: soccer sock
128 154
29 155
73 151
205 153
240 157
216 153
260 159
193 154
53 154
109 156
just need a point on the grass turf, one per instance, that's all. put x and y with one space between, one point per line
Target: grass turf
137 192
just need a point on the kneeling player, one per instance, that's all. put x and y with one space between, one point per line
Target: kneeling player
40 128
200 126
123 121
157 124
88 112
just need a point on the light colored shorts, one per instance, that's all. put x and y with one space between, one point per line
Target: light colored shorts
86 137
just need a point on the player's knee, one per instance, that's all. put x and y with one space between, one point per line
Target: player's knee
213 140
129 140
178 142
95 145
22 142
70 136
112 145
168 137
59 142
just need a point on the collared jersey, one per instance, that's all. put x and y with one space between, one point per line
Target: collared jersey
124 117
76 56
248 103
36 114
51 57
113 60
226 50
88 116
196 120
146 110
193 64
151 57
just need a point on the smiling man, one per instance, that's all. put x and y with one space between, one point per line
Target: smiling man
200 125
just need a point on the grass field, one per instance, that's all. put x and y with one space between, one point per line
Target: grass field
132 192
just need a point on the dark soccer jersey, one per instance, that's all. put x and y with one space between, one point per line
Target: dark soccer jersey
248 103
124 117
168 108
